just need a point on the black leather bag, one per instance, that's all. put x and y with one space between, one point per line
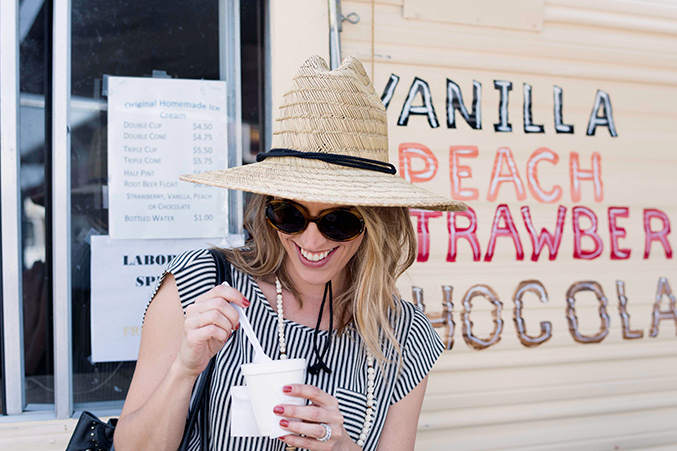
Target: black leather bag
92 434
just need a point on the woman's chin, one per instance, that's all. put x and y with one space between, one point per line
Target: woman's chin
314 273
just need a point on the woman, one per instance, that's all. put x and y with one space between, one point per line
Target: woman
331 234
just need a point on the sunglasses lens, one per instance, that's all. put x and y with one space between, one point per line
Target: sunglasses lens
285 217
341 225
337 225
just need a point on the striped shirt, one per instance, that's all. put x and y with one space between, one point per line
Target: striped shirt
195 274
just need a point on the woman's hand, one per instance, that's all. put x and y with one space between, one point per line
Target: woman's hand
209 322
323 410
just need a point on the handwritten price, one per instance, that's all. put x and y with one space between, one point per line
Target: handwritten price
202 137
202 150
200 160
202 126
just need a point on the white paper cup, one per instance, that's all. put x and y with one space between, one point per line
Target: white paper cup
264 384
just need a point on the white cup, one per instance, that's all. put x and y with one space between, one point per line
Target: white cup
264 385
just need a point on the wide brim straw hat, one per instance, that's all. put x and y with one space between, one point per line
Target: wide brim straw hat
330 145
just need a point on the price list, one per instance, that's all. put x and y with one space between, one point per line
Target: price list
159 129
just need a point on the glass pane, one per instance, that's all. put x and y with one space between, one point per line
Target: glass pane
126 38
35 67
253 84
253 68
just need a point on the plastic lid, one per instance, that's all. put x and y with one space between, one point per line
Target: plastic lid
276 366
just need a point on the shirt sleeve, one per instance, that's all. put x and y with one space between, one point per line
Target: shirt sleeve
420 349
194 272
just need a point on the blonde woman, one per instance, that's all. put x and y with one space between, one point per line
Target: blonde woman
330 235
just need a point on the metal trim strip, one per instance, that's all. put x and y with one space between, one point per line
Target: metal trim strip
11 209
61 201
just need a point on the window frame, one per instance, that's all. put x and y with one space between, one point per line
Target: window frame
10 213
11 338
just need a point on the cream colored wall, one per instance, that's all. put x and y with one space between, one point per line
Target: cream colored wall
298 29
561 395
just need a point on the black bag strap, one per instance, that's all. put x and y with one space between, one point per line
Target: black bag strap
201 400
198 406
222 267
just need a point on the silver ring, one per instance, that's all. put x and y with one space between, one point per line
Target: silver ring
327 433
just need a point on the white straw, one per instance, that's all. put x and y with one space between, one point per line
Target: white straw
259 355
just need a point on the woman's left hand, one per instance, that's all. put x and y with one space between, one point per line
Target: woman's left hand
323 409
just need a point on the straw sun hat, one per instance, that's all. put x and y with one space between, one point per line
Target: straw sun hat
330 145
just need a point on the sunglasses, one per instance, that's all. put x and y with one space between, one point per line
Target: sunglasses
337 224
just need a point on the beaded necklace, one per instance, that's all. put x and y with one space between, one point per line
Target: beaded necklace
371 373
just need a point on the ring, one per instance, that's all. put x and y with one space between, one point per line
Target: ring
327 433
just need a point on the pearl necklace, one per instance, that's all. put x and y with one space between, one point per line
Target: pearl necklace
371 373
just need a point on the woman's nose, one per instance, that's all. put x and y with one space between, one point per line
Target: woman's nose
312 238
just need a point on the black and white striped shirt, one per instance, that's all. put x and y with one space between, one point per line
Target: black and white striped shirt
195 273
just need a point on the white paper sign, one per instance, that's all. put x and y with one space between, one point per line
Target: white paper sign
159 129
123 275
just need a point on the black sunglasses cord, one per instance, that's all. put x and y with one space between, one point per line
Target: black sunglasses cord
318 366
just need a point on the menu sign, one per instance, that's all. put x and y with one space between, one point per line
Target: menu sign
159 129
124 273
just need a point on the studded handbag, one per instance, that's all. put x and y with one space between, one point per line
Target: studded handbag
92 434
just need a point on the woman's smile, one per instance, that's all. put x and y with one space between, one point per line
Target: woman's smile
315 257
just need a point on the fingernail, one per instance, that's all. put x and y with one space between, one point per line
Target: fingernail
284 423
278 409
286 389
238 326
246 302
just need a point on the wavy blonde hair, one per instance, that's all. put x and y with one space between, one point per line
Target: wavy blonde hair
387 250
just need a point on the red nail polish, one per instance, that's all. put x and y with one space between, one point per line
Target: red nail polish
284 423
246 302
286 389
238 326
278 409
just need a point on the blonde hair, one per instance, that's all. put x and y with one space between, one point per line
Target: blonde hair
387 250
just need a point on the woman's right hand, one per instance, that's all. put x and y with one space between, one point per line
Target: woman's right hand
209 322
